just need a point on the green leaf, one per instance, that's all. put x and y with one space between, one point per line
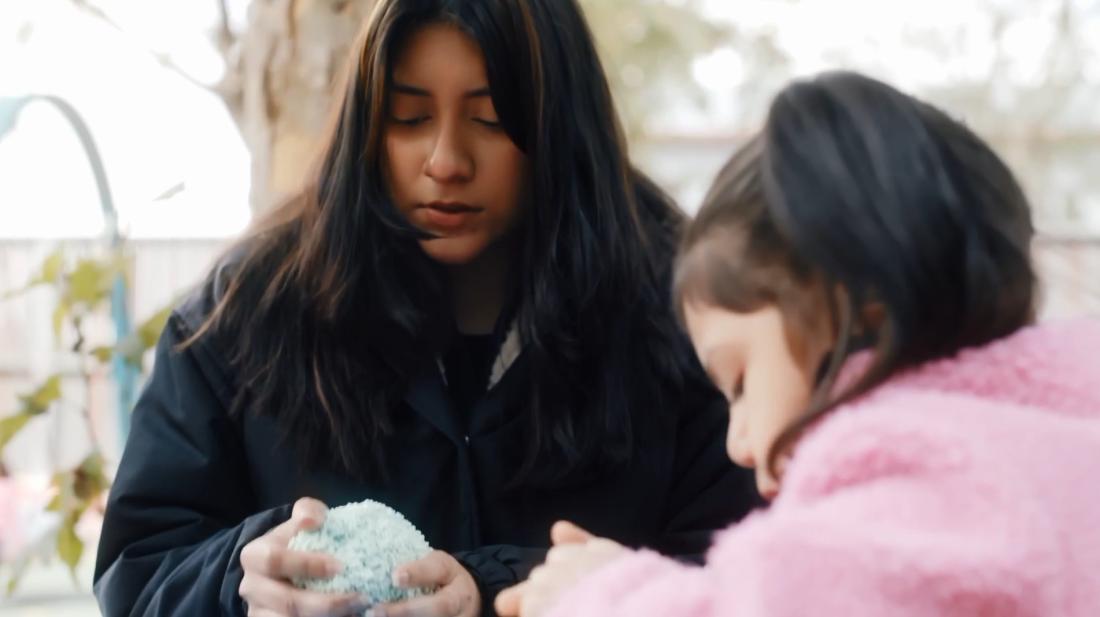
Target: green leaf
103 354
150 329
39 401
11 425
89 480
56 504
60 312
132 348
52 266
69 546
63 481
92 464
13 582
90 281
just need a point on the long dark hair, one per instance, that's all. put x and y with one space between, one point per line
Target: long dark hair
854 185
333 308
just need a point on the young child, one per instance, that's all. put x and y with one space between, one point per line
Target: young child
858 284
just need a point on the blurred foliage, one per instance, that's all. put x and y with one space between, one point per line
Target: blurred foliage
83 288
645 47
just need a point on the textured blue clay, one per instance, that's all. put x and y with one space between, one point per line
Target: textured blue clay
370 539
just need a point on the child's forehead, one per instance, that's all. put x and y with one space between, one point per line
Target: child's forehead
711 325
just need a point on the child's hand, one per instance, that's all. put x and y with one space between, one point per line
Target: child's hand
576 553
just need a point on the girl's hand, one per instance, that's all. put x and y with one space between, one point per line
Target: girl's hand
269 565
576 553
456 593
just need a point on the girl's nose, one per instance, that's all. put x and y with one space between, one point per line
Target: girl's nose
449 161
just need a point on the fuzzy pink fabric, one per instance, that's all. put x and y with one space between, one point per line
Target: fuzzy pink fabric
969 486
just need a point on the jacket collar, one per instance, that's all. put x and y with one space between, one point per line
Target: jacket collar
427 393
1054 365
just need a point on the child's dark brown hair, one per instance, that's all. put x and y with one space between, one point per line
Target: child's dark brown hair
854 186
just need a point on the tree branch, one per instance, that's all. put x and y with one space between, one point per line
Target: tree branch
163 59
292 26
226 38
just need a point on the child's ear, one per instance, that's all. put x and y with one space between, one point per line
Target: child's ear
872 316
868 320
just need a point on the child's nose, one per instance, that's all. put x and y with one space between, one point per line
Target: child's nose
737 446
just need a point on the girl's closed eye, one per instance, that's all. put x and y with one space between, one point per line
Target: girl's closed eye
411 120
491 123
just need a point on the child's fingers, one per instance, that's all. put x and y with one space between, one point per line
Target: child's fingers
507 602
564 532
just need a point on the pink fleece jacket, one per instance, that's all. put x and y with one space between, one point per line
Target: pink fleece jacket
969 486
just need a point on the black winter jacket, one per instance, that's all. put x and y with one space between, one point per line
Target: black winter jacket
195 485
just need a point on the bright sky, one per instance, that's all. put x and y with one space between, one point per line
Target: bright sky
158 132
154 130
904 42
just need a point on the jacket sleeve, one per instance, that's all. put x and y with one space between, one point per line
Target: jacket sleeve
644 583
181 507
708 491
497 567
852 553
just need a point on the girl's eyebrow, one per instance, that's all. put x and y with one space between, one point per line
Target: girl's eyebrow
401 88
410 90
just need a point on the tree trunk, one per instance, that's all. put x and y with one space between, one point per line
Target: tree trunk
279 84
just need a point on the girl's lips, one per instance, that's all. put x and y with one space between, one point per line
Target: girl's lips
448 216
